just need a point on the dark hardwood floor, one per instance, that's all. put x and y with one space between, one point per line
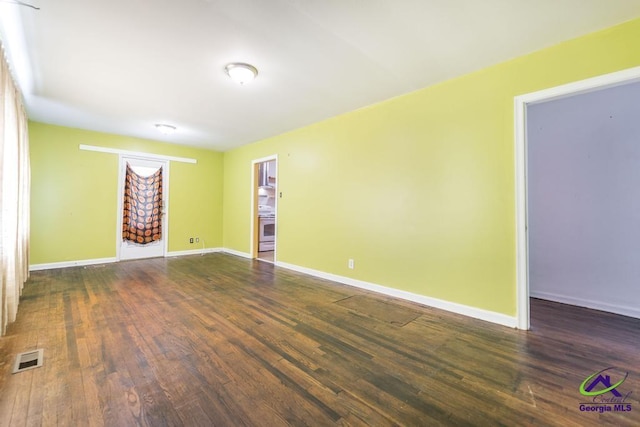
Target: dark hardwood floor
225 341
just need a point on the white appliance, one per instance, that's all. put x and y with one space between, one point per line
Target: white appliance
267 240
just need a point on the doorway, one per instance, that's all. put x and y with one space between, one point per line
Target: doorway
522 103
264 208
142 208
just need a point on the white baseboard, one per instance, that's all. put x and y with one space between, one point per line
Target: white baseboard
65 264
193 252
583 302
477 313
237 253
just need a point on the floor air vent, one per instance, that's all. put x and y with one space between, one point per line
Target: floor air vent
28 360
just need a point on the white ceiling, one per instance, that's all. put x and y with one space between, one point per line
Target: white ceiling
120 66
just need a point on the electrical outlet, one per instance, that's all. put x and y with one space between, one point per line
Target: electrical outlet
191 240
351 264
197 240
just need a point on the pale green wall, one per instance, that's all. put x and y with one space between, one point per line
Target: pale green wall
74 194
419 190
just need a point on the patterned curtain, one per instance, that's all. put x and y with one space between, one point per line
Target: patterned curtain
142 213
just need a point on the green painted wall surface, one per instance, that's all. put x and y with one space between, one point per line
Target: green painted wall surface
74 194
418 190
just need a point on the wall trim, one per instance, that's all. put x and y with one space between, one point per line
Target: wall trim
201 251
66 264
477 313
588 303
136 154
237 253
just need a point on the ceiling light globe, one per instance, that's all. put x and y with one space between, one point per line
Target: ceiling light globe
165 129
241 73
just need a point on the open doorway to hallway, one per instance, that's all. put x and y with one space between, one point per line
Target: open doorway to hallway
583 160
576 179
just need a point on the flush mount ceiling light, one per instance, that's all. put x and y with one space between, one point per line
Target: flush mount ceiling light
165 129
241 73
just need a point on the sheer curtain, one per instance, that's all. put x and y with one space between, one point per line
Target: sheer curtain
15 180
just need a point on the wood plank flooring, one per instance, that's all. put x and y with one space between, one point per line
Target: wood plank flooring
221 340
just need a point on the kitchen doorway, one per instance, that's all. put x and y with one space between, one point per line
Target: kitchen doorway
142 208
264 208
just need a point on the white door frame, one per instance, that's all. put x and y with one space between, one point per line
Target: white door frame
253 211
521 103
122 160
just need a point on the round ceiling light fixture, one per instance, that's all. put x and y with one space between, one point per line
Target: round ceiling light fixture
241 73
165 129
